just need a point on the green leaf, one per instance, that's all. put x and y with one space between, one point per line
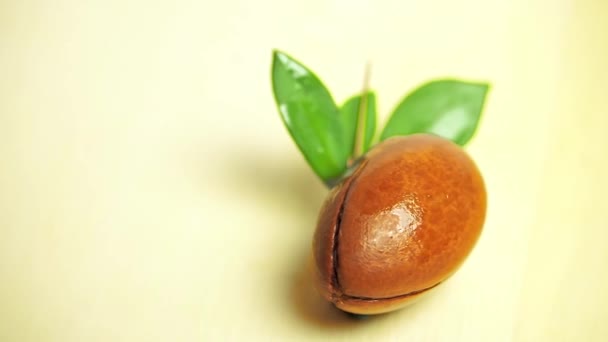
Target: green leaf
310 115
350 118
448 108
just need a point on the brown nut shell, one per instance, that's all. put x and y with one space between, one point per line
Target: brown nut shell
401 224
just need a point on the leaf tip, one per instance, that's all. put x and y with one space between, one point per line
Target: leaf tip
276 53
280 56
486 86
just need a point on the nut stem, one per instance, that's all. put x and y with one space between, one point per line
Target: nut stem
362 114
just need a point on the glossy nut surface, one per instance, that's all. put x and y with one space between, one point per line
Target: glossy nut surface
401 224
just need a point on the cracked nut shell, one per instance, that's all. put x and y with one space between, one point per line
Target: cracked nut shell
401 224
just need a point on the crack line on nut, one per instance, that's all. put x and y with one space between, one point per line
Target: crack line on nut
409 294
335 280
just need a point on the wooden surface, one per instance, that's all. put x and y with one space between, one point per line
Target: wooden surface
149 191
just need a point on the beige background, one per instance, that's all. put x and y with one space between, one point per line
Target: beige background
149 191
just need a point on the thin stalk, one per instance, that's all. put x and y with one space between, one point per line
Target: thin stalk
362 114
359 134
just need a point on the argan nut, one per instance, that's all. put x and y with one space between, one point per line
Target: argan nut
401 224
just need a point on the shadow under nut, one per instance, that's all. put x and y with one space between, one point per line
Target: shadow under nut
401 224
